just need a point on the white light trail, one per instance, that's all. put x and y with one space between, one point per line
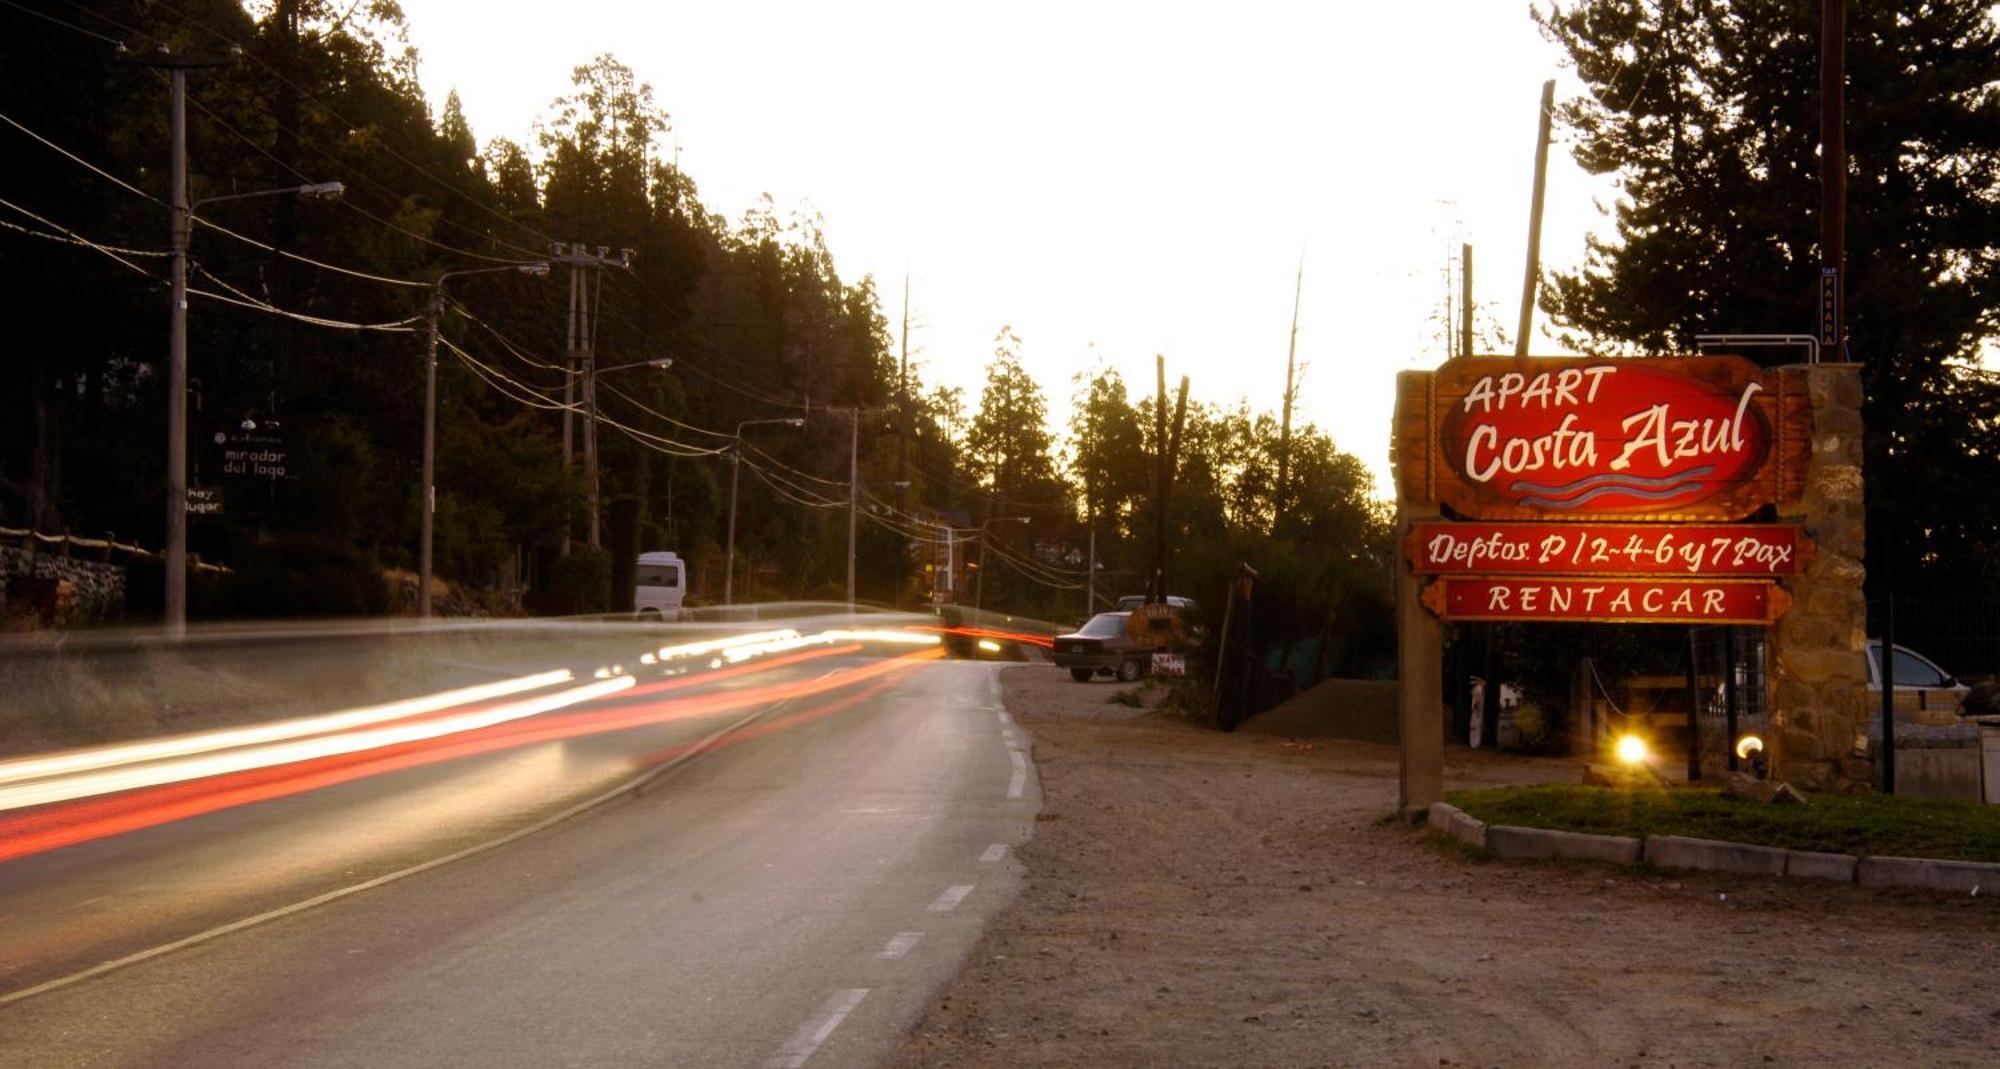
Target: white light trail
31 768
65 788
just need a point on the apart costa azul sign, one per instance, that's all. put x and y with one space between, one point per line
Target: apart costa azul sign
1655 438
1604 490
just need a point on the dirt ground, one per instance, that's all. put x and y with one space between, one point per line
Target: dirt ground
1199 899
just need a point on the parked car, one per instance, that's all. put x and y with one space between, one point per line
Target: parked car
660 586
1929 692
1102 646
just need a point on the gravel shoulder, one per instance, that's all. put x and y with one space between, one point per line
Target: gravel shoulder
1200 899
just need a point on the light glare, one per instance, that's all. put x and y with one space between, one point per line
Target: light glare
1632 749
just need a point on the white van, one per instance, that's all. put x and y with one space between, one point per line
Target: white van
661 586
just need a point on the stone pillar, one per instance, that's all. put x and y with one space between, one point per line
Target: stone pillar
1818 650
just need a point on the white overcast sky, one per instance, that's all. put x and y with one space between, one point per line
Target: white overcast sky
1114 180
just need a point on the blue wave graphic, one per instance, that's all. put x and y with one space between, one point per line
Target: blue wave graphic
1614 477
1650 495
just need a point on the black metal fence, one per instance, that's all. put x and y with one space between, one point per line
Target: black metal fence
1728 685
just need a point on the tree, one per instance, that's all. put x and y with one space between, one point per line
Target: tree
1708 115
1008 444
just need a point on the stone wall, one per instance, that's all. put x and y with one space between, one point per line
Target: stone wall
96 588
1819 648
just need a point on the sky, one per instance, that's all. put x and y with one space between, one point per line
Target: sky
1111 180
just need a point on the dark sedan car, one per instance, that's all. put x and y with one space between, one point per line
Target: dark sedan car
1101 647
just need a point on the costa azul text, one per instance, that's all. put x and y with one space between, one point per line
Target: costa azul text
1655 433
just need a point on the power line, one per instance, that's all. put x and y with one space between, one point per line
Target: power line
240 298
219 228
86 164
70 237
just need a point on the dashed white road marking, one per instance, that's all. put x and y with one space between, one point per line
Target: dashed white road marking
814 1032
1004 718
1020 781
951 897
994 852
900 944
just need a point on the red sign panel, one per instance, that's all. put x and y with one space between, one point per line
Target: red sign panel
1624 601
1630 549
1692 437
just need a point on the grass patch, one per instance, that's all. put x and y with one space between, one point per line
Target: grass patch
1862 825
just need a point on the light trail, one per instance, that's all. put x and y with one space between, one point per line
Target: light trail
106 781
31 768
59 826
1045 641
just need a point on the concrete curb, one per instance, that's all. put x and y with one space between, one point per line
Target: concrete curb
1712 855
1964 877
1458 824
1512 842
1811 865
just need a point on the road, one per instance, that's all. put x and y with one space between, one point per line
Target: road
789 895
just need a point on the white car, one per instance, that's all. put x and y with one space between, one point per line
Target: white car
1924 690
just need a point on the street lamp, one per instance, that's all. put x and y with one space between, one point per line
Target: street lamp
175 602
979 593
590 373
429 506
735 471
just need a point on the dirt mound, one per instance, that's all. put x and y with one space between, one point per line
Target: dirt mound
1361 709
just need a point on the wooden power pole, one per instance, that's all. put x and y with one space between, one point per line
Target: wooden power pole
1279 496
1832 175
1535 219
1465 300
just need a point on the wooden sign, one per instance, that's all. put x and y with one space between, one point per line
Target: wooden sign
1633 549
1621 601
1654 438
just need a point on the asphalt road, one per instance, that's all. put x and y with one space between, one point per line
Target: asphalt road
790 896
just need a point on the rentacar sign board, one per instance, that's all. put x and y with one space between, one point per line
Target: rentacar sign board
1604 490
1654 438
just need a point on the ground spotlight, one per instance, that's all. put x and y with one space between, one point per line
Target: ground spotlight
1632 750
1751 748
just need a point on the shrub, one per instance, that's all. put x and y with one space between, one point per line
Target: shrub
584 576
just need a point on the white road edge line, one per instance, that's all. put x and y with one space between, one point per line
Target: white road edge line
900 944
814 1032
628 787
951 897
994 852
1020 781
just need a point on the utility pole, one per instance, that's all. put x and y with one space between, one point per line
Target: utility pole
1832 175
181 221
1167 487
1535 219
853 493
428 506
903 411
560 252
735 475
584 303
1285 423
1465 299
590 405
1156 587
177 374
